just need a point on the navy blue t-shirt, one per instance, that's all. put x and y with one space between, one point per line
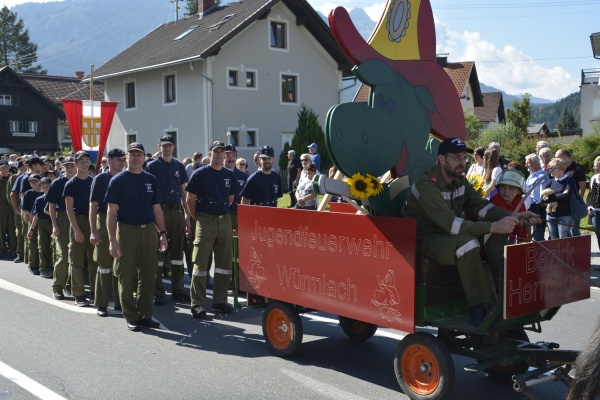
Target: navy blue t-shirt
212 188
241 181
79 190
24 185
38 207
170 178
17 185
99 188
263 189
29 199
135 194
55 193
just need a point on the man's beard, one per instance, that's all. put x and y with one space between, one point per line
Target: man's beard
267 167
454 173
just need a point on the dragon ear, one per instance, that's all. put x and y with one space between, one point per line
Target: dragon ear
425 98
375 72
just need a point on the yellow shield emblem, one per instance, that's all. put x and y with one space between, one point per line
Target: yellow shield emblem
90 131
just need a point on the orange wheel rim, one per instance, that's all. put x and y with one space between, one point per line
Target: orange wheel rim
420 369
279 329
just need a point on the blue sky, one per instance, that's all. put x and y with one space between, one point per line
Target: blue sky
534 46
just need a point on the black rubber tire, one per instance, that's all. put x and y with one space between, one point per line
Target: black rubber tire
424 367
356 330
504 373
282 329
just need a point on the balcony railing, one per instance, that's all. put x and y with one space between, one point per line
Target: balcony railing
590 76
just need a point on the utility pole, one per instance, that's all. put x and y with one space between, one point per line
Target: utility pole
176 8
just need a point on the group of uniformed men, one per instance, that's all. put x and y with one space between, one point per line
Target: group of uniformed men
121 223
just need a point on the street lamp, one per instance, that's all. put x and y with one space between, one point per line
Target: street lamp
595 39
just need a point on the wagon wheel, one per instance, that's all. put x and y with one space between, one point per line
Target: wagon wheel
357 330
424 368
282 329
504 373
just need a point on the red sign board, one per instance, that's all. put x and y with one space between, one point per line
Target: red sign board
356 266
541 275
342 208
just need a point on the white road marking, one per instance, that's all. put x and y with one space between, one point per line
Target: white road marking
323 389
28 384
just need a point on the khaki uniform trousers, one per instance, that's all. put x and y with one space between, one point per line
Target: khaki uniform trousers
44 242
61 245
135 269
77 256
175 228
7 226
32 255
189 248
213 233
464 252
105 278
19 235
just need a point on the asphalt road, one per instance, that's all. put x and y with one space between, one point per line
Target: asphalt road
51 349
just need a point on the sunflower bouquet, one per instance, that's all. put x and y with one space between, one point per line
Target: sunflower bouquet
363 186
476 181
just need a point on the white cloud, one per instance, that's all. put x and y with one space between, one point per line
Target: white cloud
11 3
375 11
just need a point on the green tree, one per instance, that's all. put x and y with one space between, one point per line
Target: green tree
16 49
191 7
520 115
474 126
567 121
308 131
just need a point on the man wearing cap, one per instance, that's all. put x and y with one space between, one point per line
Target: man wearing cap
172 178
210 193
134 219
437 199
99 233
77 200
263 187
20 186
42 224
7 219
315 156
32 256
57 210
241 178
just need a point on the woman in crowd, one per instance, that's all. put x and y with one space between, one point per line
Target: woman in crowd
594 198
559 221
477 167
491 172
307 200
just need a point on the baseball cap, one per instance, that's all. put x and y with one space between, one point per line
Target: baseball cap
116 153
266 152
80 154
68 160
45 180
3 162
216 145
313 146
511 177
167 139
453 145
230 147
13 169
34 177
135 146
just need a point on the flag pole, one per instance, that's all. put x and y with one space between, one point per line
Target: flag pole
91 82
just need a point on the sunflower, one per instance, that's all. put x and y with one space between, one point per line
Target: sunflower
360 187
476 181
376 184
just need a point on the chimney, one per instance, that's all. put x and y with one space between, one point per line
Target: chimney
442 59
205 7
79 74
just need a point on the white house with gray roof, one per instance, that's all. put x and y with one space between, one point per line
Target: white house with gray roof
244 68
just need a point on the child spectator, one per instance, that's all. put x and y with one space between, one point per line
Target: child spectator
509 196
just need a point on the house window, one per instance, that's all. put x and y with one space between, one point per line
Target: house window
235 137
251 138
6 100
250 79
66 134
289 89
596 105
14 126
170 96
233 78
34 126
131 138
278 35
130 95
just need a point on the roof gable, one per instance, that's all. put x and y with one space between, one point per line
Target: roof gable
56 88
20 80
462 73
199 38
493 106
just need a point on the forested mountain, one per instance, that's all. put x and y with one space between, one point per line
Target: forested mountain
551 113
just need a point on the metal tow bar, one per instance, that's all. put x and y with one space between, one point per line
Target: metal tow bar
522 386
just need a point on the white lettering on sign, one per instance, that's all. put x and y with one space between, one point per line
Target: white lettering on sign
293 278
